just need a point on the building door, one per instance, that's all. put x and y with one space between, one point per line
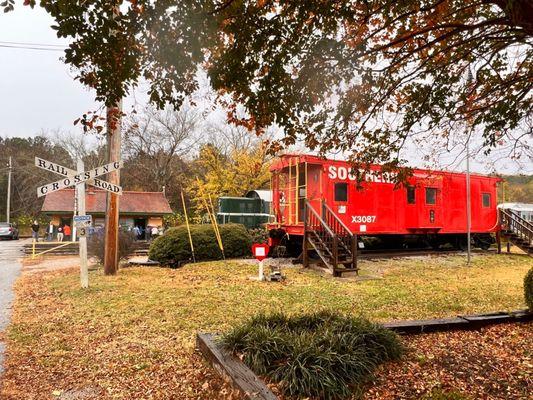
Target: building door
141 224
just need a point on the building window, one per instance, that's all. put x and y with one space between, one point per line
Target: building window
410 195
341 191
486 199
431 196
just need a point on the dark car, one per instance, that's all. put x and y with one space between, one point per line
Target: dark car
8 231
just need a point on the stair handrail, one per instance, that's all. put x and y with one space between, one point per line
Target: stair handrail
336 217
319 218
528 225
522 227
517 219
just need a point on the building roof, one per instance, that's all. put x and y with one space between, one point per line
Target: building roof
260 194
145 203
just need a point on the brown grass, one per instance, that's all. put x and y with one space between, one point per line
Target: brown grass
132 336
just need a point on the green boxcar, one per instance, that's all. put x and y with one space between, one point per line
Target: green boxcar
250 212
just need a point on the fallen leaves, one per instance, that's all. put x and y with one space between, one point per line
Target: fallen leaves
132 336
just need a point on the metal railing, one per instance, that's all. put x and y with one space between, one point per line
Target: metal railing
513 222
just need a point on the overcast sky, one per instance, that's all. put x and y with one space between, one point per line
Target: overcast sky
38 92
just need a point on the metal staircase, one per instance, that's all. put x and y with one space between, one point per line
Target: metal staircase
333 242
517 230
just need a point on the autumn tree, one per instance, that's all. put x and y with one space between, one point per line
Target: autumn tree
360 77
232 163
363 77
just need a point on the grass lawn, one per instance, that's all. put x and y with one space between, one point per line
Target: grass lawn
132 336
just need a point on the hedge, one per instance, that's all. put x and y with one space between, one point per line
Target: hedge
173 247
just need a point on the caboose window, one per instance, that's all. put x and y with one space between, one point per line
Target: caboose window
341 191
431 196
486 199
410 195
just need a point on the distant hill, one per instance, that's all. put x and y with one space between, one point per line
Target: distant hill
518 188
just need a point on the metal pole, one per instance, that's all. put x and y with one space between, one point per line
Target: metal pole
8 208
80 190
468 210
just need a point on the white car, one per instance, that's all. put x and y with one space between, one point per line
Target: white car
8 231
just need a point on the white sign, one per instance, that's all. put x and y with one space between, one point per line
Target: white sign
82 221
61 170
79 178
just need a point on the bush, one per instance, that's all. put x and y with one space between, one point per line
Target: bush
258 235
96 245
528 289
173 247
322 355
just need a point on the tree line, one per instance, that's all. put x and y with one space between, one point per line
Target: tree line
163 150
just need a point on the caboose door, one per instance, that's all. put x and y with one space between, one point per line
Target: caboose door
431 216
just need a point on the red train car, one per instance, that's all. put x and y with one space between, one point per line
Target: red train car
431 208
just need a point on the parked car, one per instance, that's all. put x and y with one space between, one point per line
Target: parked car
8 231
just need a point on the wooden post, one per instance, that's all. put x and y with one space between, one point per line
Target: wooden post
188 227
354 251
80 190
114 115
335 254
499 241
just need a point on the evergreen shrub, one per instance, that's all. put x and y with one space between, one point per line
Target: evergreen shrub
174 247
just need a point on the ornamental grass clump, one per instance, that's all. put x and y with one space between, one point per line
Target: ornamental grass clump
320 355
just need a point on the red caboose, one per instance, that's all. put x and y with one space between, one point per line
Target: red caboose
321 194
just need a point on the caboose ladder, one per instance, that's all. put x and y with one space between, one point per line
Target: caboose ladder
517 230
329 237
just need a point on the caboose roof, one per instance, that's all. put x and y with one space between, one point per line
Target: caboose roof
284 160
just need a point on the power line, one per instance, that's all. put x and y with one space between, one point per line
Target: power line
33 44
29 47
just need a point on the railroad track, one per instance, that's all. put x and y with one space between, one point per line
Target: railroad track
377 254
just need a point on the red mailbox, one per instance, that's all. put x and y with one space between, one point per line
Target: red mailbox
260 251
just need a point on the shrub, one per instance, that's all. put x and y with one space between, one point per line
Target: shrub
96 245
173 247
528 289
258 235
324 355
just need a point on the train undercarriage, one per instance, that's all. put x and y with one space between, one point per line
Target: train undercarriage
285 245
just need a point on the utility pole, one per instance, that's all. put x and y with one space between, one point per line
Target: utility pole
468 210
8 207
114 116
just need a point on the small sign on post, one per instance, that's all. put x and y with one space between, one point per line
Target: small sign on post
260 252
